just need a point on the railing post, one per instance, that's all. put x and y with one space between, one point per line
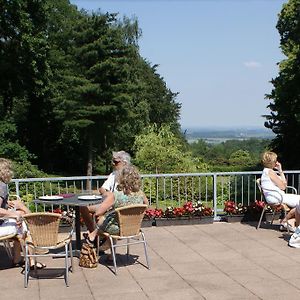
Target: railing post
215 196
17 188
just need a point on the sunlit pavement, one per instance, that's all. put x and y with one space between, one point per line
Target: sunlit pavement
207 261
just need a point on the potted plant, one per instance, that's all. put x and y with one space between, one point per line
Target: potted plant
188 214
234 212
150 216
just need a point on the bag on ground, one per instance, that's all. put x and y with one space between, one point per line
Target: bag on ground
88 257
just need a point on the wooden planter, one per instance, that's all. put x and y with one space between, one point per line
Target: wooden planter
184 221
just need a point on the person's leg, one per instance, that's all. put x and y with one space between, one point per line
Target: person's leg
17 252
289 215
85 212
297 215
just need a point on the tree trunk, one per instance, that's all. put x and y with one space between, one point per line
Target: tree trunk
89 171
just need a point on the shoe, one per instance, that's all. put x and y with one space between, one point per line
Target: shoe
38 265
287 226
104 245
295 239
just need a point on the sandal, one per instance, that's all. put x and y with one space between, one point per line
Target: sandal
104 244
19 264
38 265
89 241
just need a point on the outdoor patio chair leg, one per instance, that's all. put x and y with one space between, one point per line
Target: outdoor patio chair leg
128 240
145 250
273 216
112 245
261 216
26 272
66 265
71 256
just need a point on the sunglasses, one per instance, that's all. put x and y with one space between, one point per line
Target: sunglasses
115 162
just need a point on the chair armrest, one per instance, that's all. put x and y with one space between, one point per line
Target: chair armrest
294 190
271 190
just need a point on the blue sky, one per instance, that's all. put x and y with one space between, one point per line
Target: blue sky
218 54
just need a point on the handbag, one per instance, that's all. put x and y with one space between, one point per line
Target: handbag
88 257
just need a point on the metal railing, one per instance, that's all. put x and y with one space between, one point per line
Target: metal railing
162 190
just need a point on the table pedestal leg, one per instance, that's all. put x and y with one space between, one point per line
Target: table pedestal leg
77 228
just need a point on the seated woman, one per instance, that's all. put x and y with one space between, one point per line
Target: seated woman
129 184
273 186
11 212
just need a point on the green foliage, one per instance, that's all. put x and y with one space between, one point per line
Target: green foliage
284 117
232 155
9 145
75 85
159 150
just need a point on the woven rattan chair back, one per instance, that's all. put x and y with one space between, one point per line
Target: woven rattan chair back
43 234
43 228
130 219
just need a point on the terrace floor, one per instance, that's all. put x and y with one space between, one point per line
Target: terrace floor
207 261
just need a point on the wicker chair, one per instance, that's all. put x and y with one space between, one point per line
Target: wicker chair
273 207
43 235
5 240
129 219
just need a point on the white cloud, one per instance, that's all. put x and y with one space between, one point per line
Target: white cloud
252 64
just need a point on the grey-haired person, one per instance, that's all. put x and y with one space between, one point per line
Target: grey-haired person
120 159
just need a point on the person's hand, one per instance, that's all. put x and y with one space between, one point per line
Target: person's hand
278 167
15 204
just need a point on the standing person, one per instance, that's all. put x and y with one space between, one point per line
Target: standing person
10 211
129 193
273 186
120 159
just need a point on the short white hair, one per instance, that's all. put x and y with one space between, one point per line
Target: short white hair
122 156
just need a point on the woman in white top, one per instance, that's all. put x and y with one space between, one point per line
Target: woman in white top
273 183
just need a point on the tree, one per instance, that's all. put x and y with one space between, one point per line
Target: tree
158 150
240 158
284 118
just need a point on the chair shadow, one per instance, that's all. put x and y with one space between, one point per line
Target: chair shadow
47 273
122 260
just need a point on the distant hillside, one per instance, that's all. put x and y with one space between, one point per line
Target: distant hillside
217 135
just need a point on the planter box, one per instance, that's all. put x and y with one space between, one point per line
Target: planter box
148 223
184 221
233 218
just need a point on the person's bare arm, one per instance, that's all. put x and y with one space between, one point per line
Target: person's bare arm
18 205
102 191
279 181
107 203
145 201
